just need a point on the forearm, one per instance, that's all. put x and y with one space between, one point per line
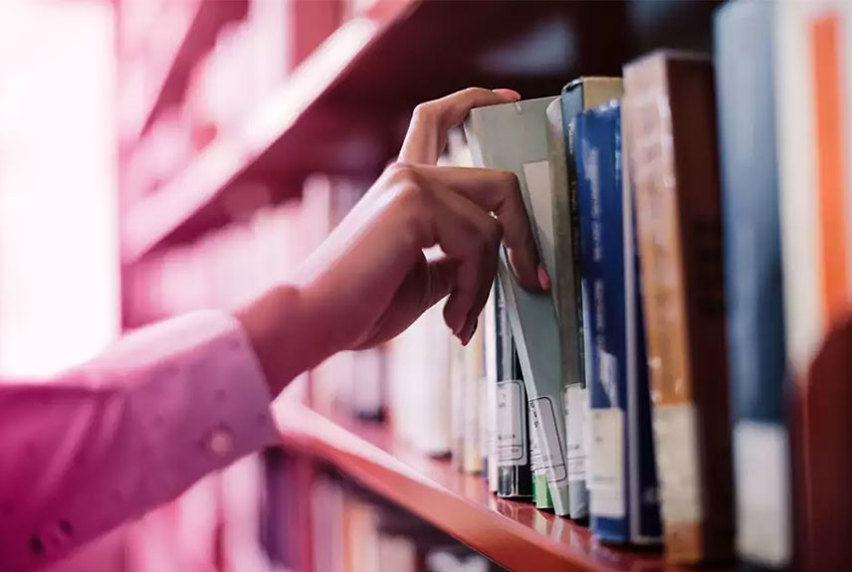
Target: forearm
289 334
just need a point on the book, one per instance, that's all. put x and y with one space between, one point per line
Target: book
473 397
532 315
457 403
420 384
622 478
669 114
489 332
812 66
511 441
744 33
540 492
579 95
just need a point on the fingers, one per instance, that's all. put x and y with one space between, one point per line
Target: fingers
427 134
477 253
497 192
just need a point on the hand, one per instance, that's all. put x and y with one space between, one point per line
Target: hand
370 279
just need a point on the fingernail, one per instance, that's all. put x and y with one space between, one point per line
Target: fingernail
508 92
543 279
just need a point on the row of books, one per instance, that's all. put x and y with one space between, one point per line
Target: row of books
686 379
354 531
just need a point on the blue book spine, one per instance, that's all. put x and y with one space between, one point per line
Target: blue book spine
745 86
622 473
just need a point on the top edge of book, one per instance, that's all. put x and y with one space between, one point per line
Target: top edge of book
670 55
588 80
517 105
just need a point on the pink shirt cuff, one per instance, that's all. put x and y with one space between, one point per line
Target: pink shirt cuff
129 430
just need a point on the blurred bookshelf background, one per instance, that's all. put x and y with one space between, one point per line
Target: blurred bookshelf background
161 156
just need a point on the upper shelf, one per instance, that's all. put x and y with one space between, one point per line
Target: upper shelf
190 30
514 534
345 108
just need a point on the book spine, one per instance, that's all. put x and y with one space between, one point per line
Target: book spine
567 230
812 67
645 520
473 397
670 114
745 90
513 479
540 491
457 403
513 447
599 198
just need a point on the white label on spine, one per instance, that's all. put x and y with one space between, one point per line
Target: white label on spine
511 424
551 447
606 469
676 447
762 470
575 426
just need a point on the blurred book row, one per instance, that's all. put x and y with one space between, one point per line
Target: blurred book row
353 530
172 105
685 382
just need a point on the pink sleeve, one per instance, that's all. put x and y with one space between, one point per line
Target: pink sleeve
135 427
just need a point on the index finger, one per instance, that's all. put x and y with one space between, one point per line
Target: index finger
427 133
498 192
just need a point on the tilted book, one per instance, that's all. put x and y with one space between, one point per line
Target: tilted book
670 120
513 137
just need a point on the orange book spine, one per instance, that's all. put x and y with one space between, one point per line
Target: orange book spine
669 110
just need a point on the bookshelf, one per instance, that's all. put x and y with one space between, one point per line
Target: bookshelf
513 534
358 88
343 111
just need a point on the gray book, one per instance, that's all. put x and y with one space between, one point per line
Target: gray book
513 137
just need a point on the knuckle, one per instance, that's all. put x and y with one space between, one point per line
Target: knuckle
474 91
424 111
401 173
508 179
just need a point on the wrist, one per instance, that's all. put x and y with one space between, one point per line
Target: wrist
285 335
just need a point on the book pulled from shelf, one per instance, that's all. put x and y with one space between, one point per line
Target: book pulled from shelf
813 66
579 95
744 33
670 121
622 479
513 137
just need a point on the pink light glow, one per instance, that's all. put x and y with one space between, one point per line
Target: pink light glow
59 280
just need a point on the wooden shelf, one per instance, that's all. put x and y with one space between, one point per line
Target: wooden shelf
345 109
513 534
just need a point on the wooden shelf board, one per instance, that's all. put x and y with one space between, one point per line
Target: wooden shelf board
514 534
